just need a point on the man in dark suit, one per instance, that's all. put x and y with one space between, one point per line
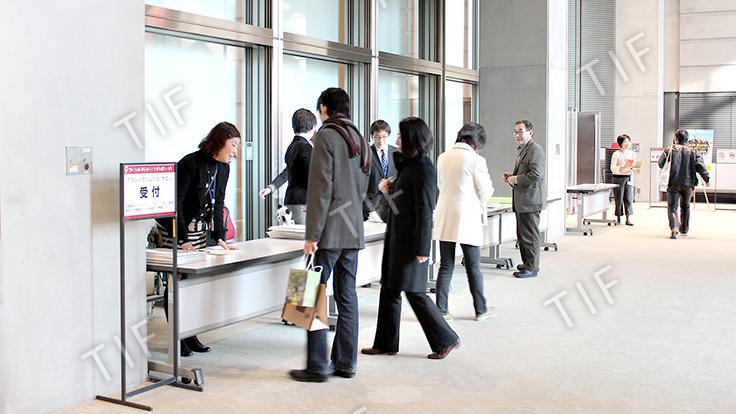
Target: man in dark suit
529 197
382 163
338 180
297 158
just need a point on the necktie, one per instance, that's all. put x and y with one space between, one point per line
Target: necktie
384 163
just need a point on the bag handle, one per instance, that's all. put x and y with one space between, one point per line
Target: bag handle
309 264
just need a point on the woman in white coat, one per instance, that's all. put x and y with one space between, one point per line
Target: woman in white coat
465 187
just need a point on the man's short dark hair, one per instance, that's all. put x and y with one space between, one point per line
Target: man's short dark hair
336 100
621 138
527 125
682 136
416 137
303 120
380 125
472 134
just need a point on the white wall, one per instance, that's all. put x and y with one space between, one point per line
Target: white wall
707 45
70 70
639 95
672 45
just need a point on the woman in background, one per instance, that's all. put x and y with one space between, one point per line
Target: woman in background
465 187
407 245
623 163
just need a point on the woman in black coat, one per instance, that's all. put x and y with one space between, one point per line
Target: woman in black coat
407 245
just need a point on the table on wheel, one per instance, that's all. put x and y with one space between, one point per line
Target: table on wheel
591 199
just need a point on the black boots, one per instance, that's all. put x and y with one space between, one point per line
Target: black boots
192 344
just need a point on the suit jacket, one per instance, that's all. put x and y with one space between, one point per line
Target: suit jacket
409 226
373 195
530 191
465 187
337 185
297 158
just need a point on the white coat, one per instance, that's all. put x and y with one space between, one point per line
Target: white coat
465 187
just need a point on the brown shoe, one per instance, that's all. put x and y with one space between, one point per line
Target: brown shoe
376 351
446 351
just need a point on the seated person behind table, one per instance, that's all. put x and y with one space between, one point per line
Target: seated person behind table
297 158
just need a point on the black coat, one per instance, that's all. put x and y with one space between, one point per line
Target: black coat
194 175
297 158
686 163
409 225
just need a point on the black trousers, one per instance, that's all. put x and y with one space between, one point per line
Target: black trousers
343 265
527 234
679 197
471 255
438 332
623 195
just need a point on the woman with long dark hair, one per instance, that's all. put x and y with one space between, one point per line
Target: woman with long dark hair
407 245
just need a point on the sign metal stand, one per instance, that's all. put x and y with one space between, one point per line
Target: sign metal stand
147 190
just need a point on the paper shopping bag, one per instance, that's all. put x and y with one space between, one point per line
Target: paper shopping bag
301 289
310 318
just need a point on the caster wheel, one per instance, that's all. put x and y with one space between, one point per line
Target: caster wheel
185 380
609 224
367 285
585 233
546 249
332 328
432 290
498 266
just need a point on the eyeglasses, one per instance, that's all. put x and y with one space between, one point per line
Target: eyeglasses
519 132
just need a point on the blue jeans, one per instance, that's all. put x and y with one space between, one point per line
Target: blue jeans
471 254
343 265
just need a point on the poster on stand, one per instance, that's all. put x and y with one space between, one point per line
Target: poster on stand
701 140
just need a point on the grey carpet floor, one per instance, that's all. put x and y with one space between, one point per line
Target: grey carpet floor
664 342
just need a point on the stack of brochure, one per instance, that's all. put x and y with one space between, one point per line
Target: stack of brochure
287 231
162 257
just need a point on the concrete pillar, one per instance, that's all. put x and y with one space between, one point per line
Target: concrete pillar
640 81
523 75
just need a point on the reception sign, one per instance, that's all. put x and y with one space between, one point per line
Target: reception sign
149 190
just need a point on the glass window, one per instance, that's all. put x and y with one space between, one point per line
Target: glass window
458 109
398 97
398 27
244 11
303 79
190 86
323 19
459 33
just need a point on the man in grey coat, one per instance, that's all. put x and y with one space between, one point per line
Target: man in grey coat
338 180
529 197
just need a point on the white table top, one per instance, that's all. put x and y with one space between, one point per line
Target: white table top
260 251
